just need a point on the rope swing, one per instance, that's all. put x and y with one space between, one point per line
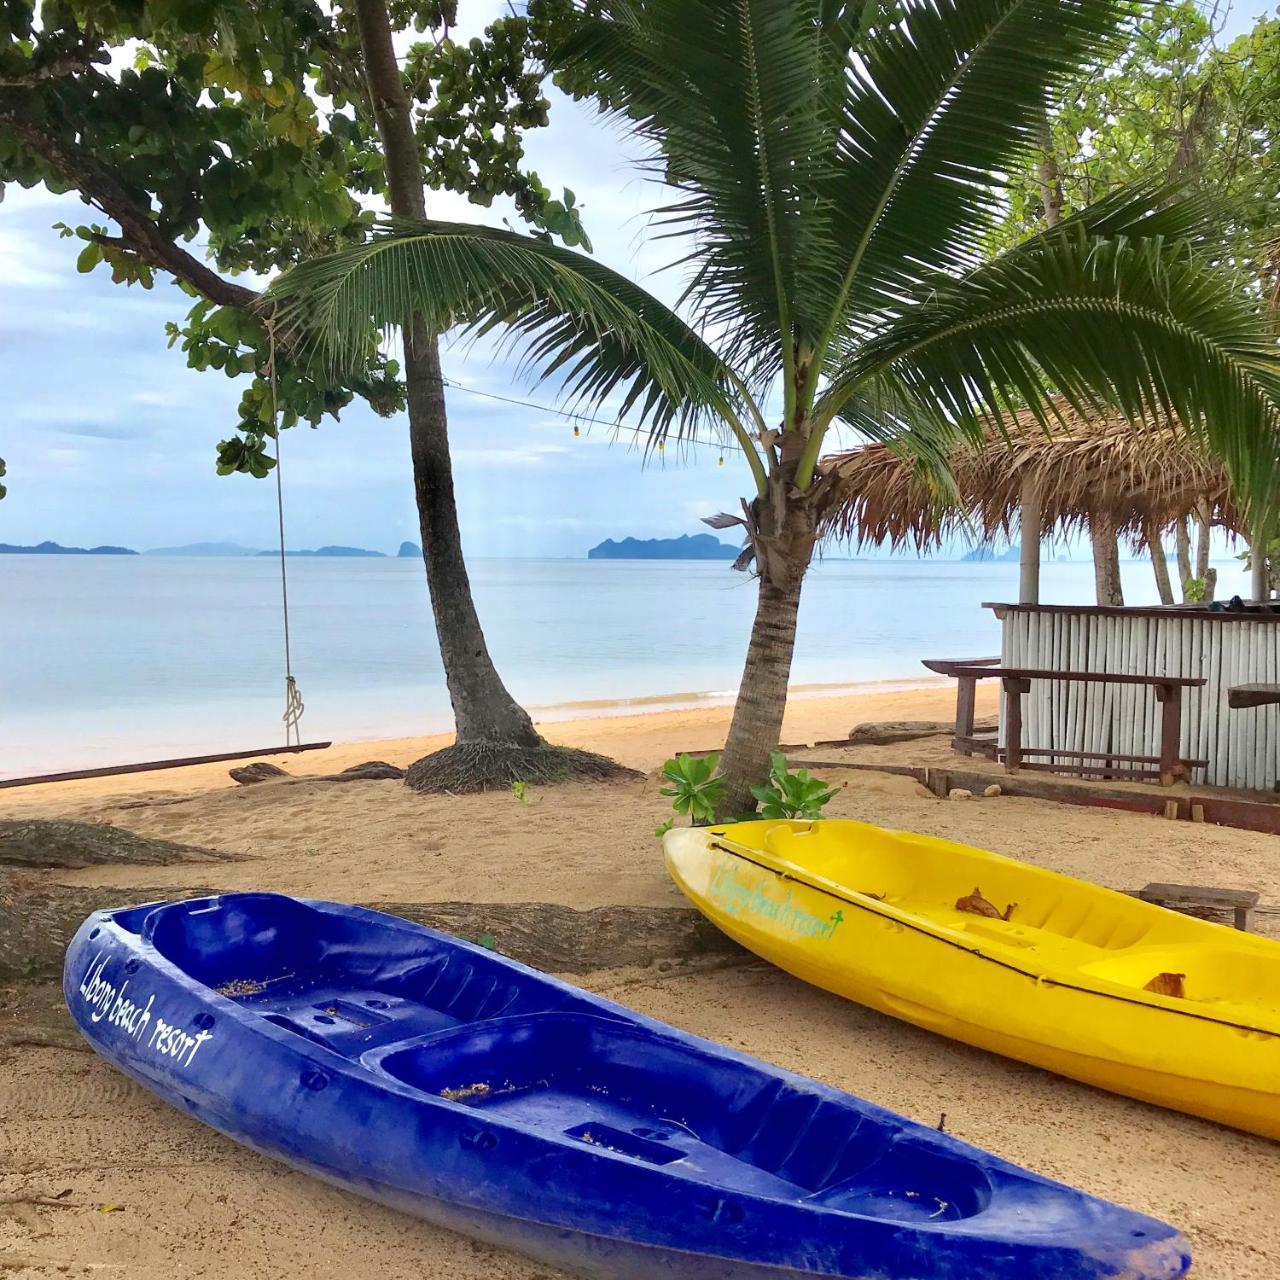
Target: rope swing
293 704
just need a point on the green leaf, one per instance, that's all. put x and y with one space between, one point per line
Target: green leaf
695 789
591 326
89 258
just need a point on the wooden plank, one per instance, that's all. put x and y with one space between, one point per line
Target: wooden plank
1268 615
1092 677
1253 695
1240 902
1111 772
109 771
1209 895
944 666
1250 815
1119 756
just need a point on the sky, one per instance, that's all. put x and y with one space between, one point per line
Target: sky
110 438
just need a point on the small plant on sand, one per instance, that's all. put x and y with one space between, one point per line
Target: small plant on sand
791 795
695 789
520 789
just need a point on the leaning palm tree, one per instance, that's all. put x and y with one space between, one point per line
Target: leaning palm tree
832 170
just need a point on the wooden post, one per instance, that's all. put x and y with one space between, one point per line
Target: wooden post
966 696
1014 688
1170 698
1029 552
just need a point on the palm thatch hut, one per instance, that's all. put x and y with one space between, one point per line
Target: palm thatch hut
1103 476
1114 481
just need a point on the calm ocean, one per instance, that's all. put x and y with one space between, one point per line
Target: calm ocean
106 660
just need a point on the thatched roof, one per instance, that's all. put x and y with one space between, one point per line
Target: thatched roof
1086 469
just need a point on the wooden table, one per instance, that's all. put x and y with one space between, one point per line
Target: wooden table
1168 765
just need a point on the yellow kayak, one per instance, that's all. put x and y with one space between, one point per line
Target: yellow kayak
1009 957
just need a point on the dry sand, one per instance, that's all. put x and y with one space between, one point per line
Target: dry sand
75 1136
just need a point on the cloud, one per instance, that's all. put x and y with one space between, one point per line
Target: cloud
512 457
22 265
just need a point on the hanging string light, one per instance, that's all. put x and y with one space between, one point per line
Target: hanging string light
612 424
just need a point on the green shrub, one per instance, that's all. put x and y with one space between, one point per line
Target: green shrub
791 795
694 789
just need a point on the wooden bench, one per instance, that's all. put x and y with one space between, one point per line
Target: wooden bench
1240 902
1168 766
1253 695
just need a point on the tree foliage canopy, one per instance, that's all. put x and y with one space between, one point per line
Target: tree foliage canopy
838 169
1175 104
219 139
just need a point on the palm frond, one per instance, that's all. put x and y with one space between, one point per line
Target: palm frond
594 329
736 96
1136 325
938 103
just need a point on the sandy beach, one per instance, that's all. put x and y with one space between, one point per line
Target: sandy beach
96 1176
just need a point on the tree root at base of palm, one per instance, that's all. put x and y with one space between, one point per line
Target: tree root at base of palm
468 767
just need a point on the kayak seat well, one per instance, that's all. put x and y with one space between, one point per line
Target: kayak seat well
1209 975
333 983
576 1078
927 878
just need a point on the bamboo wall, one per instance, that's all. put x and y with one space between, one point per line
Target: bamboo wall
1242 747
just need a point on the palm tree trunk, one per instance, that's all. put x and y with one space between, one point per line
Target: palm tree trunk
496 743
1182 543
1204 528
1159 564
783 541
1106 562
762 696
483 709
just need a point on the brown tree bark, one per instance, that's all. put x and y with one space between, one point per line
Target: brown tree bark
1182 543
484 711
784 541
1159 564
1050 177
1106 563
101 187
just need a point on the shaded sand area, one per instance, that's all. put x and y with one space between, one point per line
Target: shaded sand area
77 1139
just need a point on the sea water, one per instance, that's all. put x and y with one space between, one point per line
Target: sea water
109 660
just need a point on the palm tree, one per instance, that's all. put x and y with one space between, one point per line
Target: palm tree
835 169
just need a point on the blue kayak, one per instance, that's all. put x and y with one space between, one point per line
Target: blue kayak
442 1079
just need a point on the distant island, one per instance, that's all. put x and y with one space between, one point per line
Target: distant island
227 549
211 550
697 546
348 552
985 554
54 549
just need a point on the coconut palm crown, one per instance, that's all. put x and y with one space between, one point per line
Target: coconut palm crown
832 170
